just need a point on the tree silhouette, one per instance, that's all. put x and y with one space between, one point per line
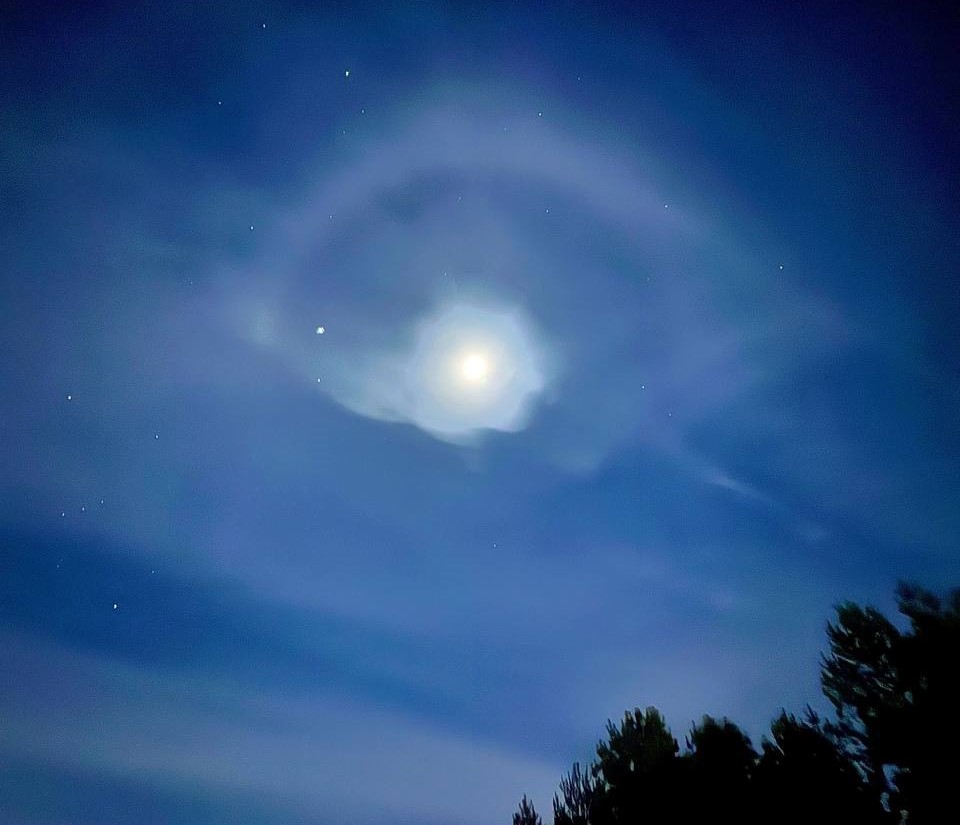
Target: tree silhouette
580 799
895 696
804 777
860 678
639 768
891 756
527 814
721 763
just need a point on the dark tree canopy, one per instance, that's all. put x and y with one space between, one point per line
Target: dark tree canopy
580 798
805 777
895 696
527 814
891 756
638 766
721 762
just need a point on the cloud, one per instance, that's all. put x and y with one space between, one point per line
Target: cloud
452 225
447 221
317 752
423 382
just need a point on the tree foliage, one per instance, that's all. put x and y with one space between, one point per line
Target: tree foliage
802 763
527 814
895 695
580 798
722 763
890 755
638 767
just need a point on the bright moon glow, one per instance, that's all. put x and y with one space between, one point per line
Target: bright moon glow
475 368
466 367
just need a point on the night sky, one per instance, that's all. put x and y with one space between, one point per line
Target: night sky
391 393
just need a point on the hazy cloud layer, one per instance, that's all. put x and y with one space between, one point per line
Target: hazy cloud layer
713 288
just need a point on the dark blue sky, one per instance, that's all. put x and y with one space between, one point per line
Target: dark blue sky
393 393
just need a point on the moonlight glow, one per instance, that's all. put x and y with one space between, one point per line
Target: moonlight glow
475 368
464 368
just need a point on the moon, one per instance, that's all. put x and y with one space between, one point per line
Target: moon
475 368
